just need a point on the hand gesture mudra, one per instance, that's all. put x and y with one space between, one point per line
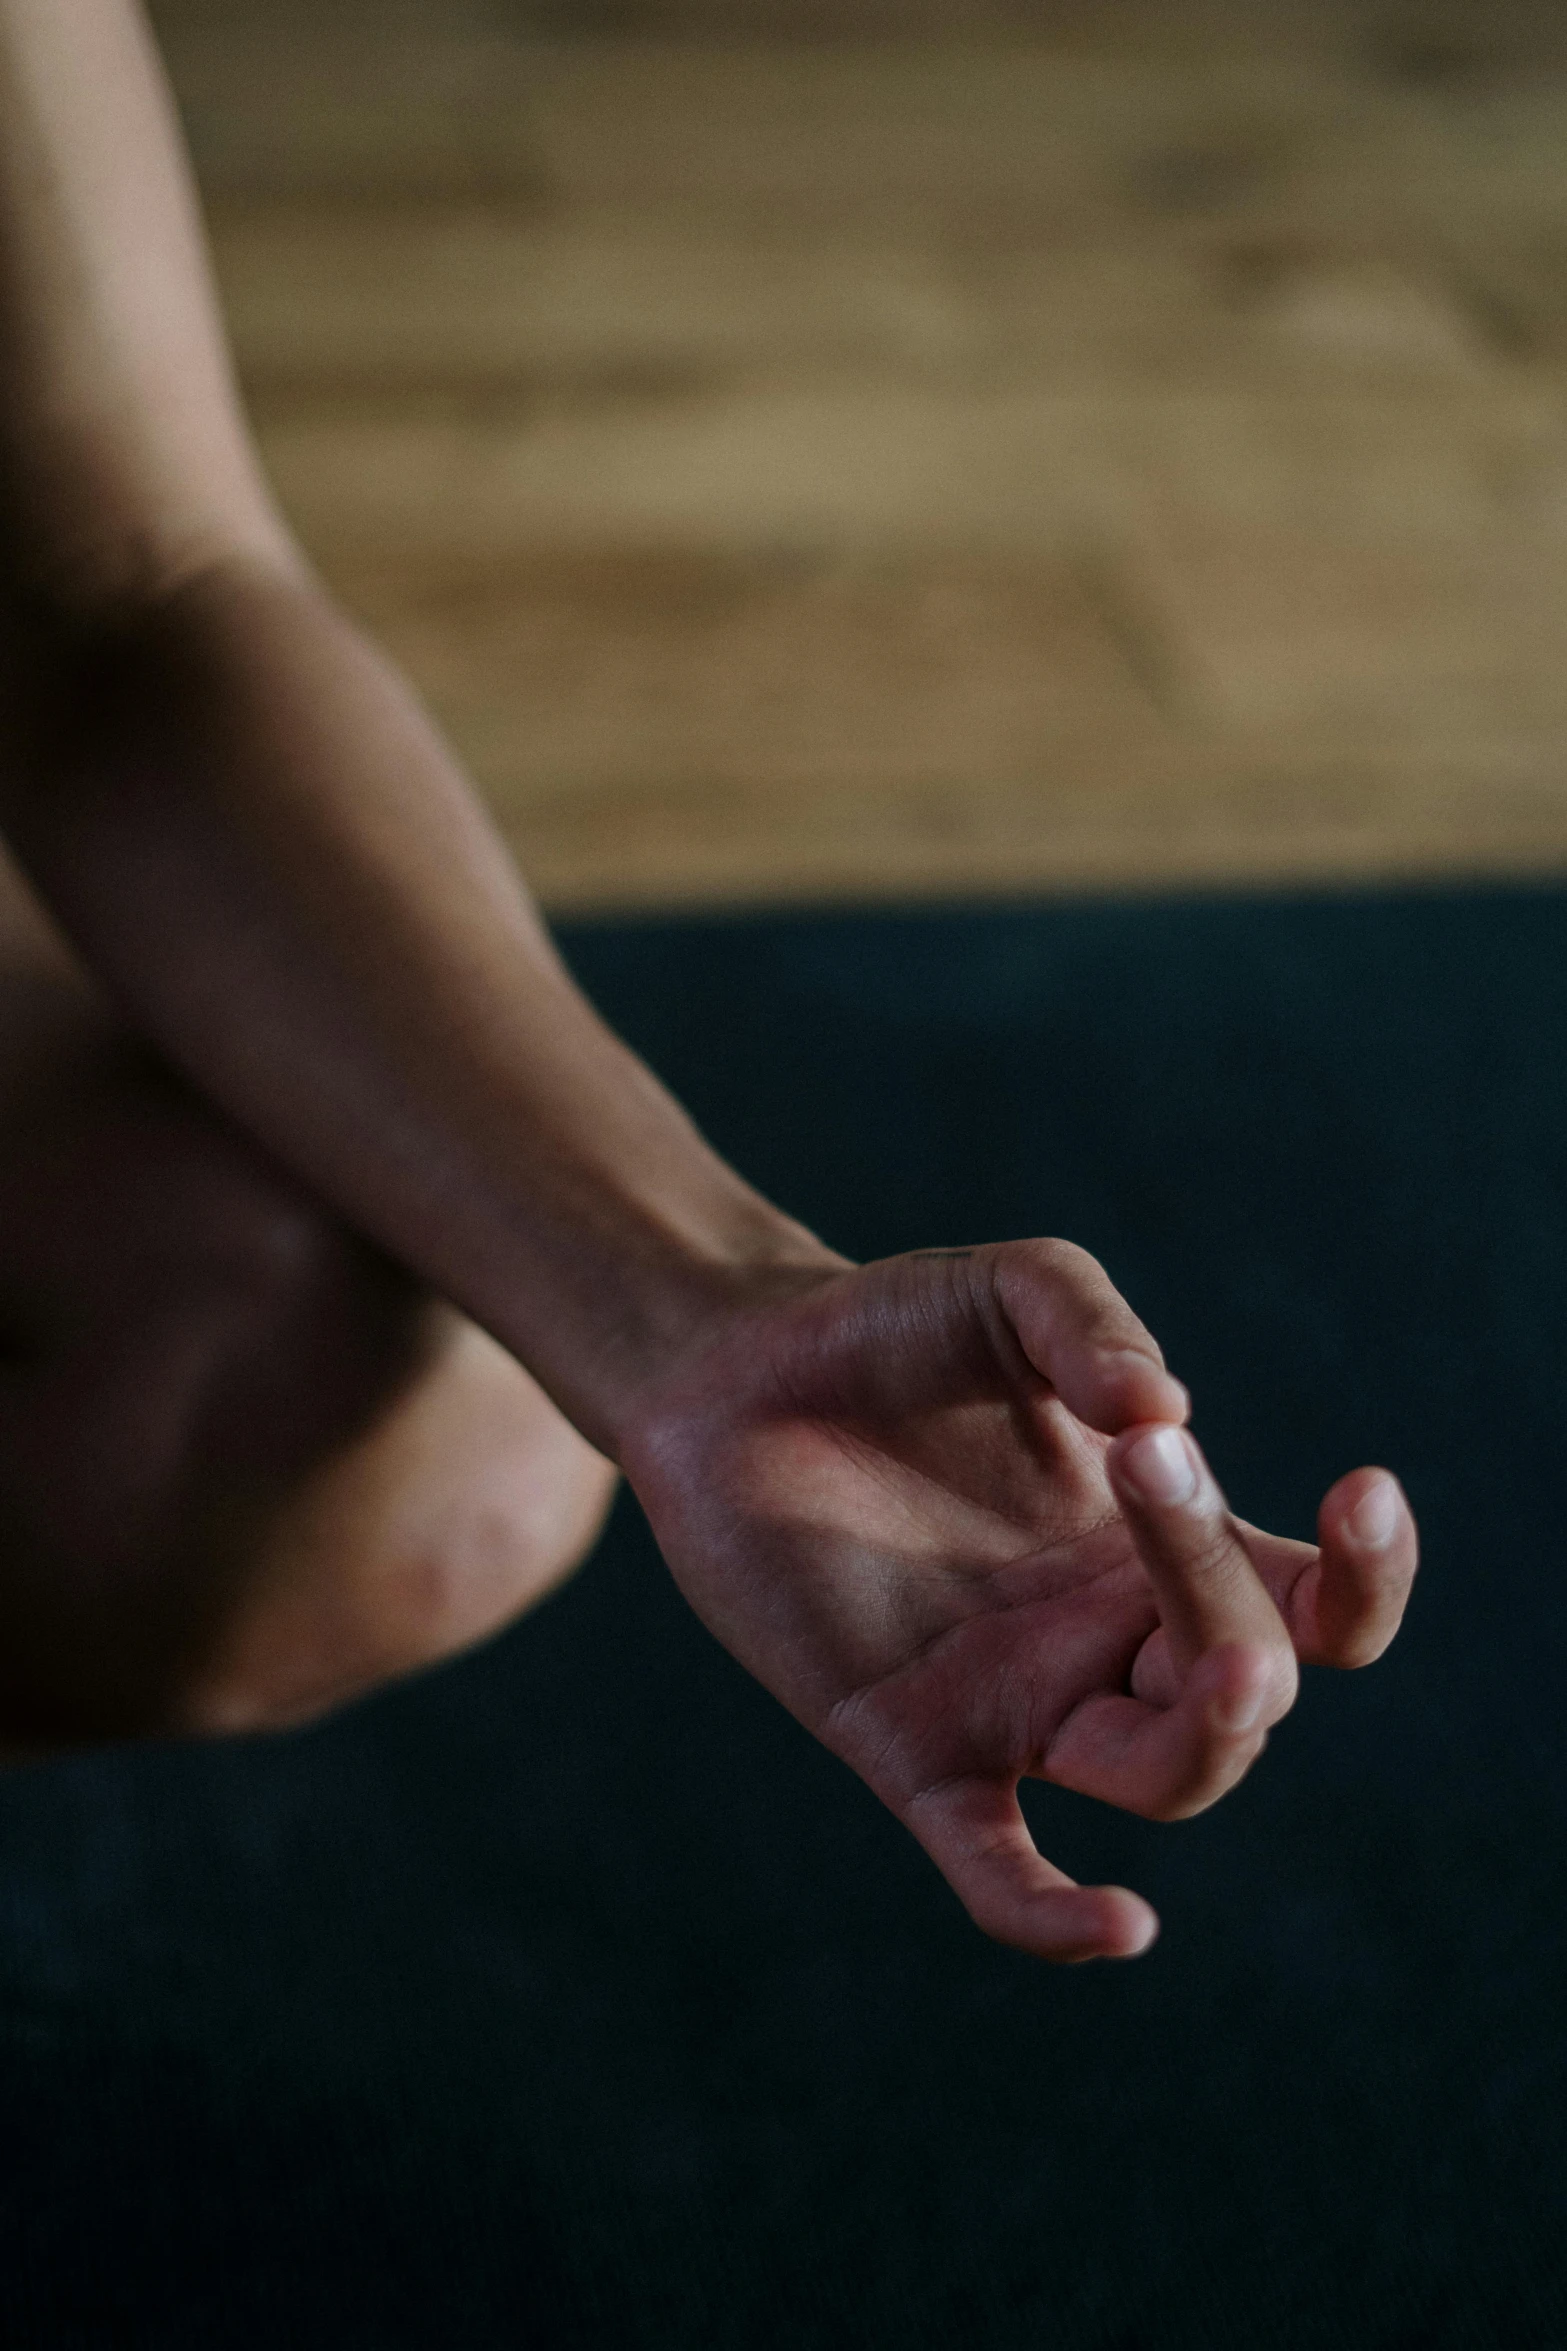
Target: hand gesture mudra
945 1508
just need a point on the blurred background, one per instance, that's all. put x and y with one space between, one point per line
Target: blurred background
814 451
916 450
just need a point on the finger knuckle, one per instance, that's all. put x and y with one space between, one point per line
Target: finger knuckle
1080 1286
1064 1263
1362 1647
994 1919
1220 1765
1198 1537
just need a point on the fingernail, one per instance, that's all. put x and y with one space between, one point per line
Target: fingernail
1373 1522
1161 1467
1140 1926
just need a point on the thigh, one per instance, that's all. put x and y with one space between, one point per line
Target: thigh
247 1464
185 1334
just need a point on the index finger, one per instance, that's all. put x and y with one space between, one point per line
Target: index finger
1209 1592
1079 1333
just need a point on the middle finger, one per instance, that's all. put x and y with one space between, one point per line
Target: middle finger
1209 1592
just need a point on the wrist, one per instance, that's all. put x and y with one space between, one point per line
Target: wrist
646 1278
684 1302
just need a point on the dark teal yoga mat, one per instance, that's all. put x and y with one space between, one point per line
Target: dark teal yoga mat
572 1996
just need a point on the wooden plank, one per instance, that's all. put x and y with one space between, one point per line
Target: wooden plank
1149 823
802 464
1352 566
1364 644
591 672
999 134
389 302
1110 443
657 732
829 462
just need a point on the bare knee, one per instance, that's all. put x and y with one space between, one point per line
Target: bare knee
467 1501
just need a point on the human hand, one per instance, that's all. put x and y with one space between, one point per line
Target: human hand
943 1507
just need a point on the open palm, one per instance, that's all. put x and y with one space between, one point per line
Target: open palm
936 1505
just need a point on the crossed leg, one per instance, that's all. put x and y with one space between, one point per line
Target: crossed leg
248 1466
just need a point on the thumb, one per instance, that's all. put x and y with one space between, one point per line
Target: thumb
974 1831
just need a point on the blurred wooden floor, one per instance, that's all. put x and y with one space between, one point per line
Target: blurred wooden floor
1104 443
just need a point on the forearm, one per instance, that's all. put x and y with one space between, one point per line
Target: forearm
244 818
252 831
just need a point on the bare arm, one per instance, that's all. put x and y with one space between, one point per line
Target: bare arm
245 818
124 459
908 1496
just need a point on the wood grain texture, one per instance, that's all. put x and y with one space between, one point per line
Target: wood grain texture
1092 444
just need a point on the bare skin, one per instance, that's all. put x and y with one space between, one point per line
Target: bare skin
248 1466
968 1562
943 1507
